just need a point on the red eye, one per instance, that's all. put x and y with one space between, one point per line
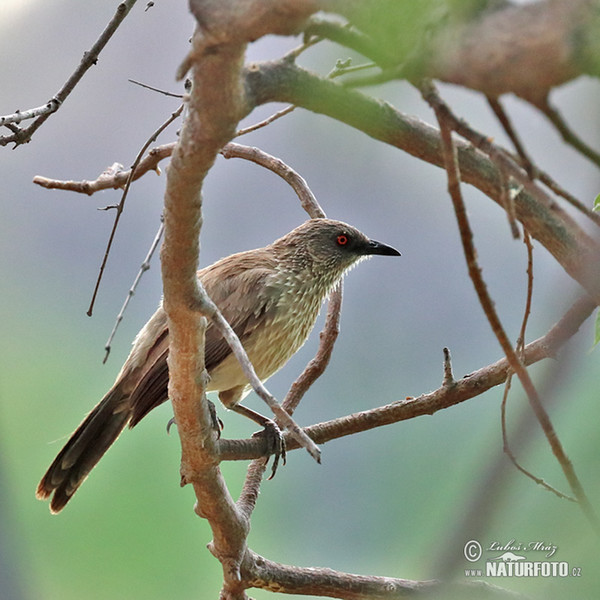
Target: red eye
342 239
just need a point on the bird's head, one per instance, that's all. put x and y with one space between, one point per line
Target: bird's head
327 247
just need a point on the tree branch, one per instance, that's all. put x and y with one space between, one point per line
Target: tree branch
557 231
470 386
214 109
22 136
272 576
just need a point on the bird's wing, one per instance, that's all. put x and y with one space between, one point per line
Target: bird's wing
239 288
243 297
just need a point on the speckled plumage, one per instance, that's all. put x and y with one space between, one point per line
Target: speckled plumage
270 296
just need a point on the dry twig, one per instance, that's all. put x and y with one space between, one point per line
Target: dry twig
23 135
121 204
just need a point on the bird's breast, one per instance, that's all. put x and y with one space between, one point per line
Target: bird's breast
283 331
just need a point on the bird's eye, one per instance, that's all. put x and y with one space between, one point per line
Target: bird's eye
342 239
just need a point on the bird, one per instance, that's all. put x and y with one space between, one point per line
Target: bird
270 296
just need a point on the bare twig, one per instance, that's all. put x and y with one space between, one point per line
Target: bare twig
519 348
121 204
143 268
155 89
567 134
448 376
23 115
281 113
22 136
502 116
507 198
513 459
529 298
441 111
532 169
207 307
551 184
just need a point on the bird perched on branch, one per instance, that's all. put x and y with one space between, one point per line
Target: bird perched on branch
271 297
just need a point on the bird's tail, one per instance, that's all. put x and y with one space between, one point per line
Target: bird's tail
85 448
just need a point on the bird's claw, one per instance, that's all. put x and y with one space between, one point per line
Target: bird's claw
275 444
217 424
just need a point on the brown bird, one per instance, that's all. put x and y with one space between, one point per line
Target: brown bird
270 296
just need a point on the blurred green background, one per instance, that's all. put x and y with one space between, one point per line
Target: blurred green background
401 501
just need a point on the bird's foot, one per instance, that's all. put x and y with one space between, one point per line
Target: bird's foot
275 444
217 424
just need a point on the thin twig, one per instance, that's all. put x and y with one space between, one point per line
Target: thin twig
529 298
23 115
281 113
448 376
90 58
291 56
155 89
143 268
507 196
507 450
502 116
500 157
121 204
551 184
532 169
441 111
567 134
520 348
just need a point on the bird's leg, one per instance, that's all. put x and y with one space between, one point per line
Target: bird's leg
271 432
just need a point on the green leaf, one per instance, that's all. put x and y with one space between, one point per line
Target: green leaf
597 203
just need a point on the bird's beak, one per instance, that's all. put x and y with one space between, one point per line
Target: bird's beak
374 247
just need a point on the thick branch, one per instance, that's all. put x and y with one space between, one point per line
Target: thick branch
214 111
